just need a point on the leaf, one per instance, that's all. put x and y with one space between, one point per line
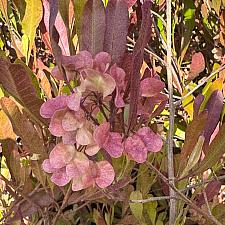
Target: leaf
197 65
211 190
116 29
216 6
189 23
78 11
188 103
93 26
16 80
136 208
23 128
193 131
194 157
214 107
214 153
64 11
4 8
137 60
21 6
40 198
31 20
6 130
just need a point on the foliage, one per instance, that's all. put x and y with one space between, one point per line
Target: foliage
84 113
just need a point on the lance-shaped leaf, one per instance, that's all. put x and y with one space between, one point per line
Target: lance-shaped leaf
214 107
214 152
23 127
116 29
211 190
138 54
93 26
6 130
31 20
193 131
16 80
194 157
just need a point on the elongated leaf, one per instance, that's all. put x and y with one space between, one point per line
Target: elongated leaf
214 153
116 29
93 26
211 190
138 54
60 31
16 80
193 131
21 7
194 157
4 8
214 107
78 10
6 130
189 23
31 20
23 128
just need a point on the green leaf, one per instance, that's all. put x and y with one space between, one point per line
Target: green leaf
194 157
23 128
136 208
31 20
78 11
189 23
151 209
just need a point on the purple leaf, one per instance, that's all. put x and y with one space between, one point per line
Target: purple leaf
136 149
153 141
211 190
116 29
51 106
138 54
93 26
214 107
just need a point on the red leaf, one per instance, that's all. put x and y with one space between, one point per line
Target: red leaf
197 65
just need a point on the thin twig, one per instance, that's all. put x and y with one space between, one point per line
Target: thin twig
152 199
199 85
184 197
172 215
65 200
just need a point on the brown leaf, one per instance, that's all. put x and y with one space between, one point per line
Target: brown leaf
23 127
16 80
39 198
193 131
197 65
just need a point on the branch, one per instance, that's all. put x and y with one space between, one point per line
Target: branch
172 215
184 197
199 85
